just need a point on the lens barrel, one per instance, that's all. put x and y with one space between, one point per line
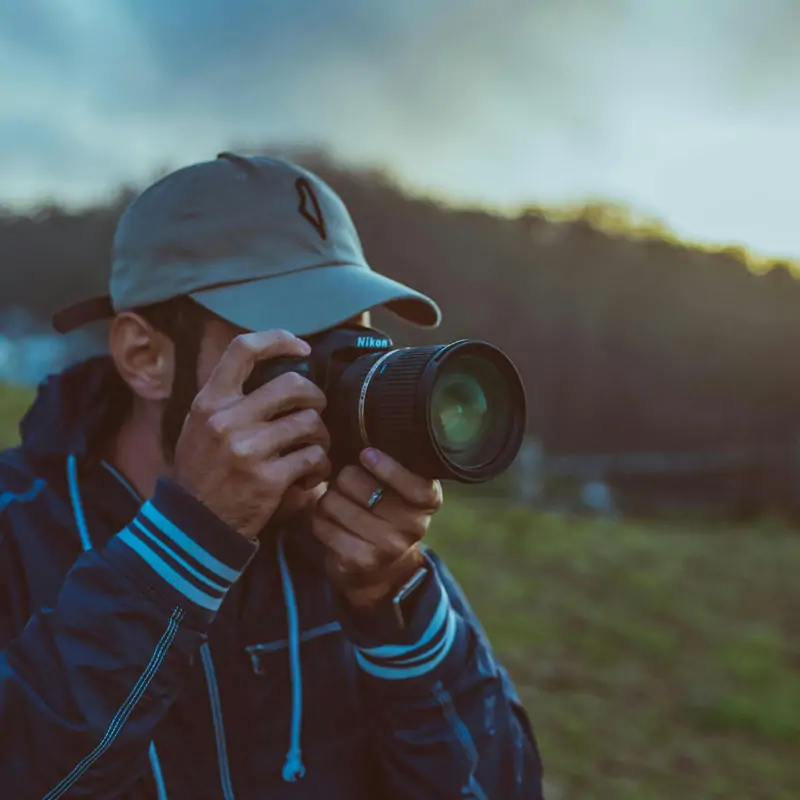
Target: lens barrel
454 411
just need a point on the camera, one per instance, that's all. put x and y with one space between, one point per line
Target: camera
452 411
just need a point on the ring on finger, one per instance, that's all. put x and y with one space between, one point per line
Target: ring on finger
375 498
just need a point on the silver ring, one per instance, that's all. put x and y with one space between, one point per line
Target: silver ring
376 497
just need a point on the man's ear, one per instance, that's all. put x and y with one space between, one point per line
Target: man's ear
145 358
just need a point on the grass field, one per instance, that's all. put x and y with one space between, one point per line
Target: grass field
657 661
13 403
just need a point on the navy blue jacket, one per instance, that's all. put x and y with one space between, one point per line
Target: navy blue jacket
149 651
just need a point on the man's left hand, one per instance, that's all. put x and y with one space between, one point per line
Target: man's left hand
373 552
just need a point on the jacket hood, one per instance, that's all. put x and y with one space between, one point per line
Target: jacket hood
72 410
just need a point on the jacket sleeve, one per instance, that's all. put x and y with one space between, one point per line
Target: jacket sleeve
85 683
447 720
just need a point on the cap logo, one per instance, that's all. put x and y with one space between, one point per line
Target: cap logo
309 206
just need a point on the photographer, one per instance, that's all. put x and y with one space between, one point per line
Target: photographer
188 609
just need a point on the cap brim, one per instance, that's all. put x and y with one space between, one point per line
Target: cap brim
82 313
313 300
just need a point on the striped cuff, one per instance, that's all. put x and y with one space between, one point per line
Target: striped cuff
440 631
183 550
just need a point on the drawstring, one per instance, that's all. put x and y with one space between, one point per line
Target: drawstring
293 768
77 504
86 544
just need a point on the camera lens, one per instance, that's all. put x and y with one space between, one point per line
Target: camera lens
468 410
454 411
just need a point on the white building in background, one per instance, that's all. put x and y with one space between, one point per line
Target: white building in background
27 359
29 351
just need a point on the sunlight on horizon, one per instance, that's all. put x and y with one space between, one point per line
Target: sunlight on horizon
682 115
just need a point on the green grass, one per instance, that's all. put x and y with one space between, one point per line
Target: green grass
658 661
13 404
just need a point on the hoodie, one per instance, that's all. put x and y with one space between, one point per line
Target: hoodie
149 651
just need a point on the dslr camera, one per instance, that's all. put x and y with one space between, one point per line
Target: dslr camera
453 411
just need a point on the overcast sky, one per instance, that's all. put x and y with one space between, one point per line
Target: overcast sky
688 110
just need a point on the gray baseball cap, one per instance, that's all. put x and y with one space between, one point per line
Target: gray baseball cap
258 241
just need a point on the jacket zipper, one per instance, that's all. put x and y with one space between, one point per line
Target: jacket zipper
86 543
219 727
213 695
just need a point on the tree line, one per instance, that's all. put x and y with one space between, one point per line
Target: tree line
625 342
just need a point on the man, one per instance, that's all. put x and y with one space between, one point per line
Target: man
187 608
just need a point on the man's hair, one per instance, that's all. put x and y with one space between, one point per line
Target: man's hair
184 322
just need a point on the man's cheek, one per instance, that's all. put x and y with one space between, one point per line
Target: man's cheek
216 339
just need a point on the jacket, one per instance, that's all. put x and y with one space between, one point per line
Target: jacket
149 651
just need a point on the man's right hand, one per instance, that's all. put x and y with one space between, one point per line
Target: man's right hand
238 454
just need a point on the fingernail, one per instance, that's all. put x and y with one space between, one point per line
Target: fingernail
305 347
370 457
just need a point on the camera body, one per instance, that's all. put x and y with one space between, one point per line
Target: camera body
443 411
331 353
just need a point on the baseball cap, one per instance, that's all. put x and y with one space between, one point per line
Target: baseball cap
259 241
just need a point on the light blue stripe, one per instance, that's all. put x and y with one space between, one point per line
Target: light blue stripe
167 573
189 545
185 564
158 777
219 726
428 654
405 673
125 710
395 651
7 498
419 658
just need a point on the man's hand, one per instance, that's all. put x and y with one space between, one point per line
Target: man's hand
372 553
239 454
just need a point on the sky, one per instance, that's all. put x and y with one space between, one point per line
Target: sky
686 110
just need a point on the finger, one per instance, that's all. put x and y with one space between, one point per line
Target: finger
314 481
279 436
359 485
352 556
306 464
362 523
421 492
289 391
240 357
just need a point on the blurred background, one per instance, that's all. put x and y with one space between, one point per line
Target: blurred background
607 189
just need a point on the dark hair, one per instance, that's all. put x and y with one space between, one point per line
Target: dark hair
183 321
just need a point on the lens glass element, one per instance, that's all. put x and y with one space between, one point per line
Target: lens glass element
469 410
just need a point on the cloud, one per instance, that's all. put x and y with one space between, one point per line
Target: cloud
683 109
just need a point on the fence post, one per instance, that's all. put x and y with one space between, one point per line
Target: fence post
529 472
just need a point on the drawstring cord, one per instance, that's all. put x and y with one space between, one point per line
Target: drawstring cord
293 768
77 503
